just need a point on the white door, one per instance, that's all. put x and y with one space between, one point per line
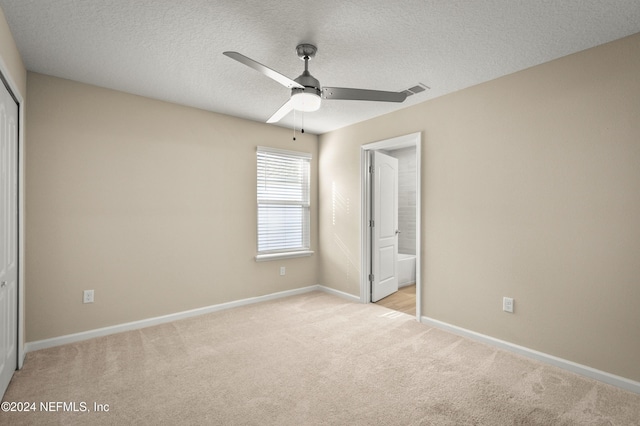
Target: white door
8 236
384 235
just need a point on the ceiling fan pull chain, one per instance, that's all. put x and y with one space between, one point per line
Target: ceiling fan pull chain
294 124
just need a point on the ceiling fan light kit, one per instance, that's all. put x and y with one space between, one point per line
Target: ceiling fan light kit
306 92
304 101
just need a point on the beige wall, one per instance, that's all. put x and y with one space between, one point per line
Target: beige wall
151 204
530 189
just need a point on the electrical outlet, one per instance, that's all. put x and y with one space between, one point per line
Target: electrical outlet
507 304
87 296
283 270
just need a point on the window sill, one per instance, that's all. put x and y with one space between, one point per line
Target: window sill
284 255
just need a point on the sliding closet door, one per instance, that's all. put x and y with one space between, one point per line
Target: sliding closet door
8 236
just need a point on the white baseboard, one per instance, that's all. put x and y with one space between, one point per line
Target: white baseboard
580 369
342 294
135 325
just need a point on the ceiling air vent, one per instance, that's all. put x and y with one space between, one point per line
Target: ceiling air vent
416 89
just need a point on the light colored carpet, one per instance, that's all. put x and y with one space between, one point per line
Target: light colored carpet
307 360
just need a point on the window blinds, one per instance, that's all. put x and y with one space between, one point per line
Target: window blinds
283 200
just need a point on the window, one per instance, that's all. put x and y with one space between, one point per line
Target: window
283 203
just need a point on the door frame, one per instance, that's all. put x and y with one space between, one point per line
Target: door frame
405 141
6 78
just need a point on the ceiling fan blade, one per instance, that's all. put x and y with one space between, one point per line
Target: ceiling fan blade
362 94
280 113
274 75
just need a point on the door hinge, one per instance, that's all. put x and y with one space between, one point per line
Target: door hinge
371 223
370 169
371 277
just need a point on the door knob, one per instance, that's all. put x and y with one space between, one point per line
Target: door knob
4 284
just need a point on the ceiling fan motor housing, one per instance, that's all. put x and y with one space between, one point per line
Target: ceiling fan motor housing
308 81
308 98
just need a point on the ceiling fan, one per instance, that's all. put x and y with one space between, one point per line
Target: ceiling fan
306 92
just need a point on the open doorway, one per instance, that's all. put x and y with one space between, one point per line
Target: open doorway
390 223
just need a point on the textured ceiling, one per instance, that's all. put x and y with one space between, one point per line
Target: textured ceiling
172 50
